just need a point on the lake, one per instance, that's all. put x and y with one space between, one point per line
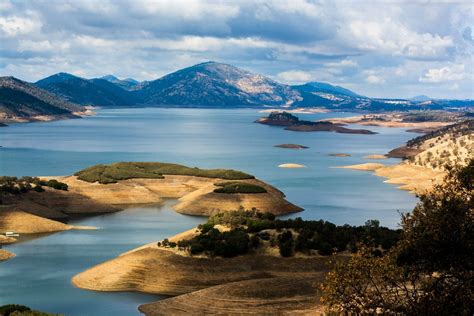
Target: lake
40 274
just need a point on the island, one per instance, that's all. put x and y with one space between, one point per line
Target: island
291 146
235 261
293 123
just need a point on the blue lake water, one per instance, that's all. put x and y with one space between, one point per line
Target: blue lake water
40 274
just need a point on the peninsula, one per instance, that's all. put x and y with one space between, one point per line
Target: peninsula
417 121
233 257
427 157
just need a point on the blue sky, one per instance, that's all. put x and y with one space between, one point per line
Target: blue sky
377 48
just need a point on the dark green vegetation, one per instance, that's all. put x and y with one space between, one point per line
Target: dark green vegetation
212 84
152 170
20 310
14 185
279 119
19 99
430 271
250 229
293 123
238 187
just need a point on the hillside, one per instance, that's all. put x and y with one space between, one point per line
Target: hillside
427 157
22 101
447 146
97 92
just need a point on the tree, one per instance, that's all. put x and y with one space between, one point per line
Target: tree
286 244
429 271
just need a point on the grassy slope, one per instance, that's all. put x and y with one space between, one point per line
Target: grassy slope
152 170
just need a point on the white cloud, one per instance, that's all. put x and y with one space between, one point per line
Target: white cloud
395 38
373 79
13 26
443 74
342 63
294 76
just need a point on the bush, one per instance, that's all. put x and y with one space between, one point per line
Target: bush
14 185
286 244
238 187
6 310
213 242
55 184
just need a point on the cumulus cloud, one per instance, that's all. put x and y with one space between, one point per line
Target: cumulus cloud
443 74
400 46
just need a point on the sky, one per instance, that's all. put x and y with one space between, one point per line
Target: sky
394 49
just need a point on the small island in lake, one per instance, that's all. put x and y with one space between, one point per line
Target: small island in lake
293 123
291 146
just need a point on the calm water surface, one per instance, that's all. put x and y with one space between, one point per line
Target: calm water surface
40 274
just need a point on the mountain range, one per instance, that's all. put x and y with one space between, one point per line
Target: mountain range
213 84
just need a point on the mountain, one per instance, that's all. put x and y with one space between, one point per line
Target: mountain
97 92
216 84
420 98
22 101
326 88
127 84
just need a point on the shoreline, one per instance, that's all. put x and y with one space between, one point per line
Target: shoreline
416 179
89 111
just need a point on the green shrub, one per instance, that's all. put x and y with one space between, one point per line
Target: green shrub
238 187
6 310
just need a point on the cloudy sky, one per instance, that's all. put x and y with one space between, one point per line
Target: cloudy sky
377 48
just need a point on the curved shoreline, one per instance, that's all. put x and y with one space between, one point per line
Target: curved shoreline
415 179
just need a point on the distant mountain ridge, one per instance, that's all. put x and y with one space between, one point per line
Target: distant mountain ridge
127 84
97 92
23 101
213 84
